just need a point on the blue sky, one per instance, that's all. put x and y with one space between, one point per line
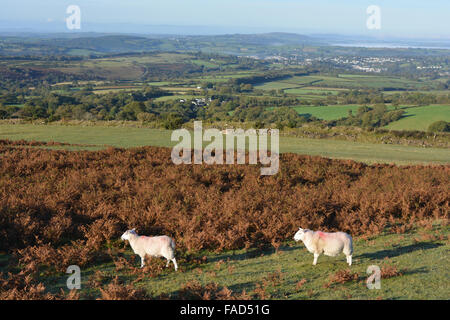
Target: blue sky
412 18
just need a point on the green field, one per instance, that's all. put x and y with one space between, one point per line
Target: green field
205 63
415 118
420 256
311 91
101 136
327 112
419 118
365 152
81 52
161 83
175 97
94 135
223 76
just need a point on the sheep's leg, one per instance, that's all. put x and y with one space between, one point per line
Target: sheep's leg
167 264
316 256
142 261
349 260
175 264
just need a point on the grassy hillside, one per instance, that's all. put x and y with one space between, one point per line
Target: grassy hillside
100 136
63 208
415 118
419 256
419 118
365 152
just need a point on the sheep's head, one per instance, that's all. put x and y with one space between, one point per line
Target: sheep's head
127 234
300 235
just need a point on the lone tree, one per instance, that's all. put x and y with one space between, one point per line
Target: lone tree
439 126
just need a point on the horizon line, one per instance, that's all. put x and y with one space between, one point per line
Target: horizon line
375 37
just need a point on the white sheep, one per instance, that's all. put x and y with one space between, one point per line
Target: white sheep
331 244
161 246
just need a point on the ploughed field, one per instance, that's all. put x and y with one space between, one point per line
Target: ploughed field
61 208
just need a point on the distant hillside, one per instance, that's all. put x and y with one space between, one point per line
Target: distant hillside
260 45
98 44
108 44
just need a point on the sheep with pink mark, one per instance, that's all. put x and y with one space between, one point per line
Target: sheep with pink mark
161 246
330 244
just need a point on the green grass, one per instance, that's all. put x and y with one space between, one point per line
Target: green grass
175 97
160 83
312 91
81 52
205 63
419 118
327 112
365 152
126 136
436 92
94 135
275 85
423 263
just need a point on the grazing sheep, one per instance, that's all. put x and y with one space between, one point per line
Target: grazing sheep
162 246
331 244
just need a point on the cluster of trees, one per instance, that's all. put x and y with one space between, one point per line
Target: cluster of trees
370 117
142 106
269 76
439 126
417 98
405 98
173 113
281 117
77 105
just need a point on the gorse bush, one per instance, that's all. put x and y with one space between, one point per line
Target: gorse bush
439 126
59 207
